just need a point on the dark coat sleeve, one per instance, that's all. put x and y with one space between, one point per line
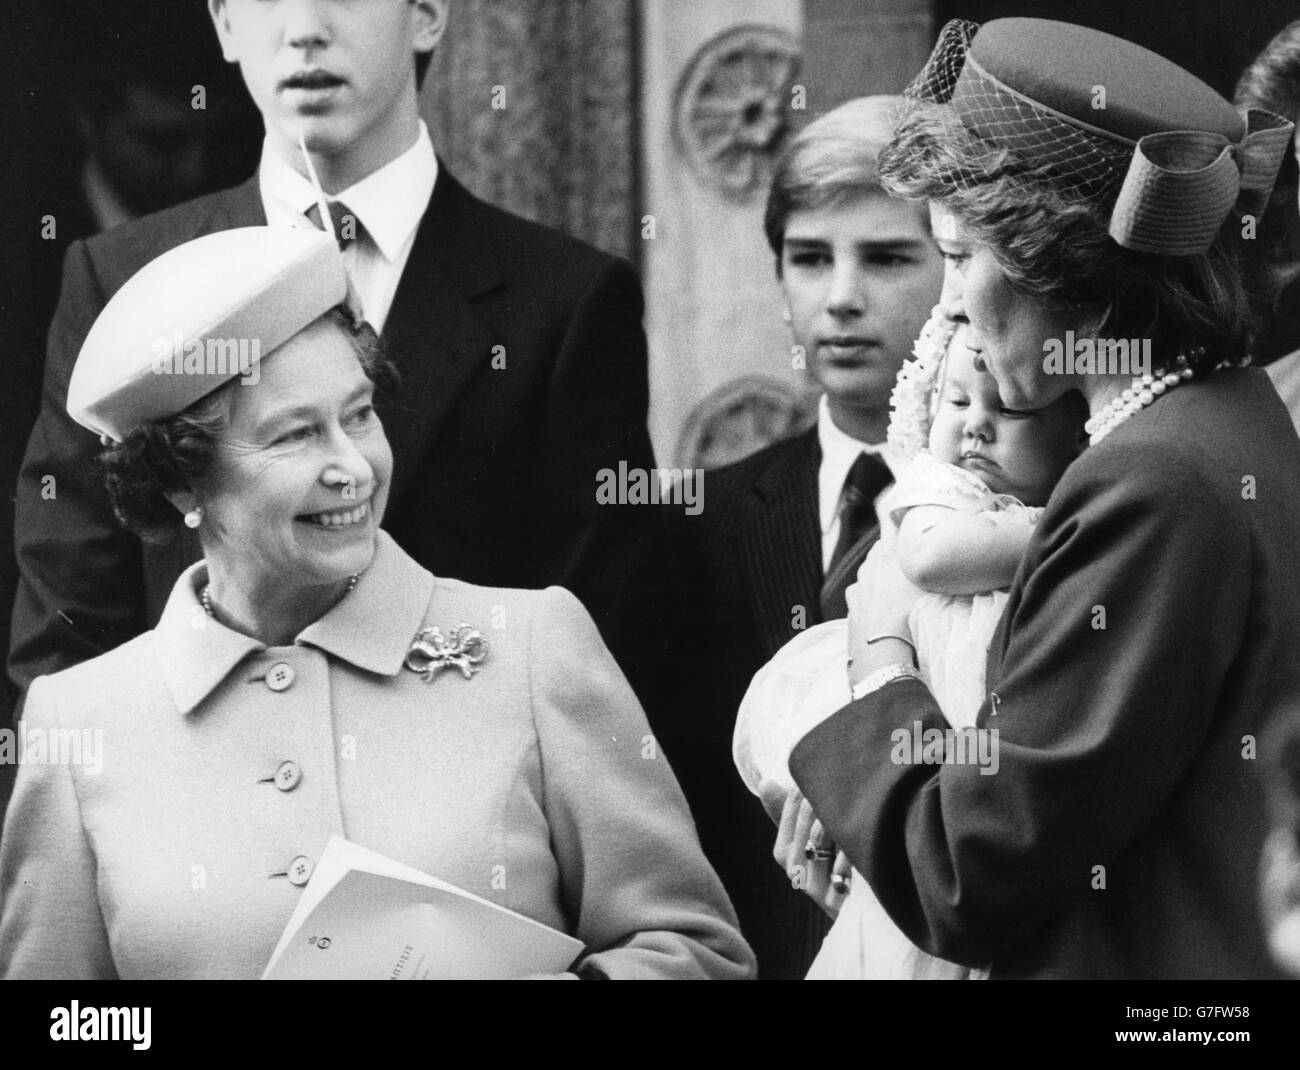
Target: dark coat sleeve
595 417
80 588
1097 727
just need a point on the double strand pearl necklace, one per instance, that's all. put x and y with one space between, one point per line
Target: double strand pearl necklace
206 598
1134 399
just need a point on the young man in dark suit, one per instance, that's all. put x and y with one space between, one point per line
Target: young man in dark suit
521 356
784 530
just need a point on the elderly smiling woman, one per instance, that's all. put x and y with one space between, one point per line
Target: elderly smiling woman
275 706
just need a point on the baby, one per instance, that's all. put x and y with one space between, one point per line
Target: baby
961 513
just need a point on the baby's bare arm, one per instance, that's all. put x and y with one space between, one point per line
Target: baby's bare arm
948 552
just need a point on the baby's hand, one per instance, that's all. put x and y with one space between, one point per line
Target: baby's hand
960 553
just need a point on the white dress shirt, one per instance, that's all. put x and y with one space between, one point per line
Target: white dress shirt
839 451
389 204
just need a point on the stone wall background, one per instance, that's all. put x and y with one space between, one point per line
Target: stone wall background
575 113
562 150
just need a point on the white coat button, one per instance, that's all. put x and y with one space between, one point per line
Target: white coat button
280 676
287 776
300 870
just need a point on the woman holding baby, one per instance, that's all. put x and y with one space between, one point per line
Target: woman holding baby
1077 183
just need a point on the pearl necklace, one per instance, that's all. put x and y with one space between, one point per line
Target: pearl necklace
206 598
1143 392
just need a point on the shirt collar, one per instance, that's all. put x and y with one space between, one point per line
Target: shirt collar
839 451
370 628
388 202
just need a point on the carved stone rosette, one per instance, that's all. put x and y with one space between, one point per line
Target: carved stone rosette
732 106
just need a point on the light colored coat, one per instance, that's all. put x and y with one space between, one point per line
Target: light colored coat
535 784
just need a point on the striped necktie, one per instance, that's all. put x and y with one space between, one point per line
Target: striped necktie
858 530
347 227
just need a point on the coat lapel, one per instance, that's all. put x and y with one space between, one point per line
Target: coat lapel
783 543
239 206
433 333
1001 638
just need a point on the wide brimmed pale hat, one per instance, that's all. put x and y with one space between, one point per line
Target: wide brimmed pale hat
197 317
1114 123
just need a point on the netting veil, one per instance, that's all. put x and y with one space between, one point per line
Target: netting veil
1085 161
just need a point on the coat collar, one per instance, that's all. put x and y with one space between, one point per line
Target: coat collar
389 202
239 206
371 628
788 470
435 333
454 244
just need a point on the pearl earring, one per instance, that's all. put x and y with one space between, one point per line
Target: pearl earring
194 517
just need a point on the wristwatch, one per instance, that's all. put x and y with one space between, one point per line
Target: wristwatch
888 674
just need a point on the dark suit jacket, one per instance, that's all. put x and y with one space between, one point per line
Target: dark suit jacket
495 471
749 567
29 292
1125 751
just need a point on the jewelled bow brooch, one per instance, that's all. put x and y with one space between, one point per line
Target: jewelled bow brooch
465 650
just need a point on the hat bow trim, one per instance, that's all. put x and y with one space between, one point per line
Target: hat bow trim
1181 185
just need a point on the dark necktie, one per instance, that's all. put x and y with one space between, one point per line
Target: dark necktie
347 227
858 530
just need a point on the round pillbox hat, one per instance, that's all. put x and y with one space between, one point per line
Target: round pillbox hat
196 317
1114 123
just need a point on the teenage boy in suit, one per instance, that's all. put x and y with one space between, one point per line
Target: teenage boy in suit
520 351
780 540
